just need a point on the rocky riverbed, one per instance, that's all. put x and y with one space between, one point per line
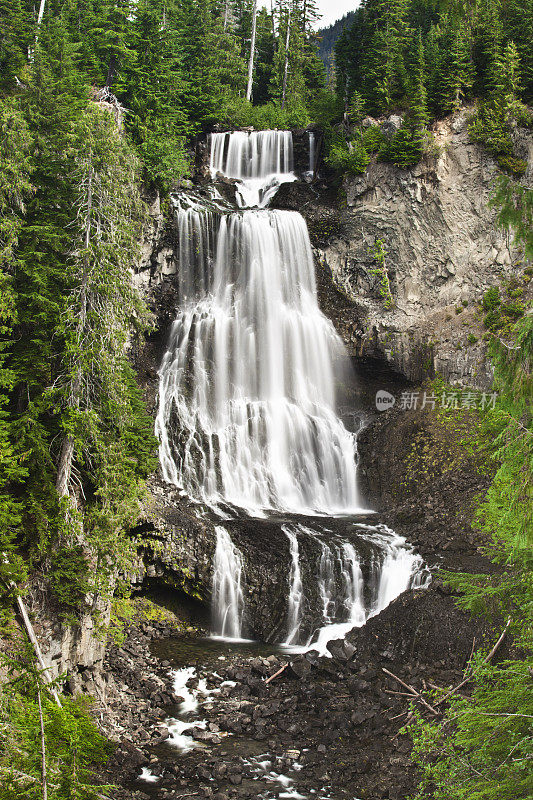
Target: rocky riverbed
323 727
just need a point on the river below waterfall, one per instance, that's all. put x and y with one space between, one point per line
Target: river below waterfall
250 430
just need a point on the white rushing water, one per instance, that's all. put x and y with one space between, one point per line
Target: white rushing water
294 614
259 160
228 599
394 568
312 153
247 412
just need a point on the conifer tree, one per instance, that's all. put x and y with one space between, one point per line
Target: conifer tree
418 110
518 27
15 189
101 306
457 71
15 39
154 90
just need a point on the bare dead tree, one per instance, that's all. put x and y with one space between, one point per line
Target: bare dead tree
252 53
43 748
286 67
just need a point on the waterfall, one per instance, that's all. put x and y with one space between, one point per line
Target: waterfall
312 146
353 585
258 154
395 569
294 615
247 415
326 583
227 594
247 412
258 160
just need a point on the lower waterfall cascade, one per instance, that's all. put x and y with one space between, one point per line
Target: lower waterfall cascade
228 598
247 419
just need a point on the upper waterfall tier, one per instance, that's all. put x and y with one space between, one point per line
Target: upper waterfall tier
247 410
259 160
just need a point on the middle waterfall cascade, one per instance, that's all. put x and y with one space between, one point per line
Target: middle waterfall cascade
344 601
247 387
247 416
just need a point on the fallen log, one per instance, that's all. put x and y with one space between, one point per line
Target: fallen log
486 660
412 691
275 675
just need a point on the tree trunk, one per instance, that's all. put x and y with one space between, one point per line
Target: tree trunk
64 467
35 644
252 54
43 748
286 69
39 20
226 14
112 71
41 12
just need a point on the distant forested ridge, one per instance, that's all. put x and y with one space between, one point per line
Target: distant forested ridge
427 58
328 38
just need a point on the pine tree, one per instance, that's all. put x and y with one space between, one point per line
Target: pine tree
487 40
457 71
385 36
264 58
53 102
518 27
491 125
101 307
15 189
418 110
154 90
15 39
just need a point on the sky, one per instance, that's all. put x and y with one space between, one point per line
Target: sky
331 10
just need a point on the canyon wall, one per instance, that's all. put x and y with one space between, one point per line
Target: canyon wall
443 250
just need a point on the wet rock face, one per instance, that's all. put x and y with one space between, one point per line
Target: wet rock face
181 555
426 485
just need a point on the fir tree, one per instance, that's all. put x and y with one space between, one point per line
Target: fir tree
418 110
457 71
15 190
156 88
15 39
518 27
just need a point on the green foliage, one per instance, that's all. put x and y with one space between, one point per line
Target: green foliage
69 577
374 141
489 755
15 188
483 747
428 59
349 157
491 299
405 148
73 745
379 255
238 112
515 203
